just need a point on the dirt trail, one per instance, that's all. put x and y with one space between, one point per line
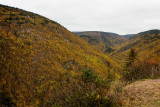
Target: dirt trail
142 94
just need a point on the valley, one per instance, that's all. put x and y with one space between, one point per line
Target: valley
45 65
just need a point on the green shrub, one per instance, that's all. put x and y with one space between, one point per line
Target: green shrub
88 76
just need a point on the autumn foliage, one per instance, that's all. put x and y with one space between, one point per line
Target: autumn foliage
42 64
41 61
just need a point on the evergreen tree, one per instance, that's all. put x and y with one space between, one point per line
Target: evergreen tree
129 73
131 57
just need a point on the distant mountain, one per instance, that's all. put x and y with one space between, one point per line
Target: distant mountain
95 32
128 35
146 33
105 41
42 64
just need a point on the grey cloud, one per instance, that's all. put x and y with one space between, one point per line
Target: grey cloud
119 16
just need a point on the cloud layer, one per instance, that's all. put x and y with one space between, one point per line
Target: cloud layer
119 16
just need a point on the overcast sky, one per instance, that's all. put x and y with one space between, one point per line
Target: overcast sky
118 16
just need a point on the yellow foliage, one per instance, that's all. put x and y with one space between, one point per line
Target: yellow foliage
35 50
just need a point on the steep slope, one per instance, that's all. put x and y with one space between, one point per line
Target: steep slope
146 44
38 56
104 41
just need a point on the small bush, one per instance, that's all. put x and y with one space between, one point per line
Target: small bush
141 70
88 76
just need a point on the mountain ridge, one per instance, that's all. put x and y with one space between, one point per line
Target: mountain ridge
45 65
146 42
104 41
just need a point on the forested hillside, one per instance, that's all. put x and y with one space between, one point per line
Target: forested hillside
42 62
146 44
103 41
140 56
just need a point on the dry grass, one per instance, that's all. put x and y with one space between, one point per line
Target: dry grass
142 94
